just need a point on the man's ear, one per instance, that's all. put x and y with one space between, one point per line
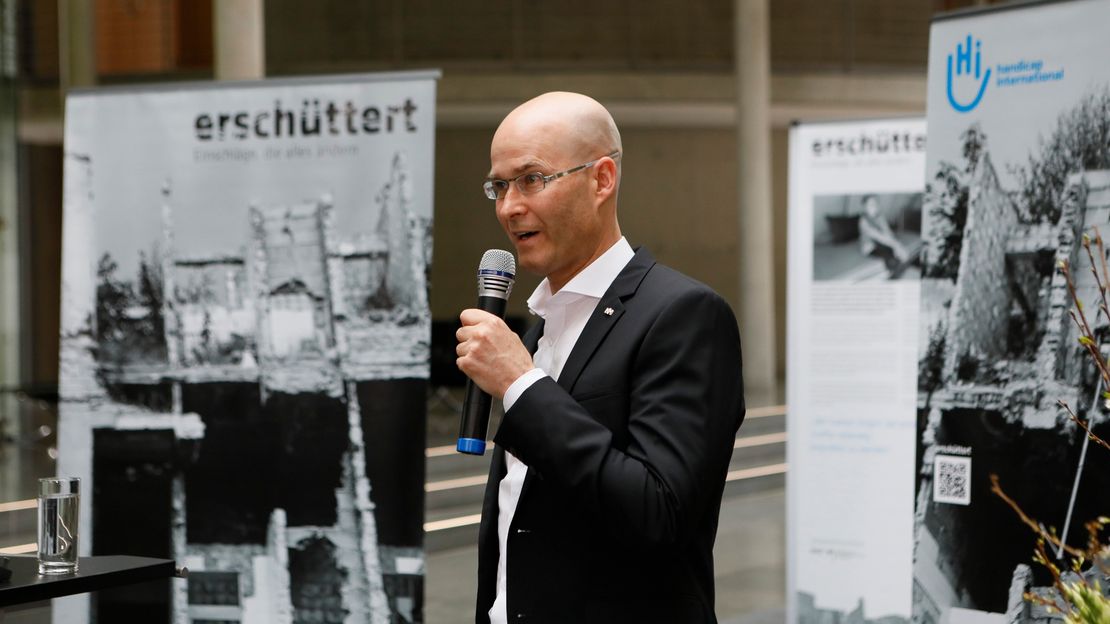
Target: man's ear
606 178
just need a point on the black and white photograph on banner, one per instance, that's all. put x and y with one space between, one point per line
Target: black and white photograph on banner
245 344
1018 183
867 237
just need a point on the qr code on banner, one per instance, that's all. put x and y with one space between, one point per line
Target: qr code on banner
952 479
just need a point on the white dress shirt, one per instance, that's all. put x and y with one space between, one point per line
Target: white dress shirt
564 314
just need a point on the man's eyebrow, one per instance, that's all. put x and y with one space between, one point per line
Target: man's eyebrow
531 165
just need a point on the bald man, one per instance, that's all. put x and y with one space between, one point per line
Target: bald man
621 404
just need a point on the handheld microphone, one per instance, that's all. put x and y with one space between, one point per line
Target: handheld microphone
496 273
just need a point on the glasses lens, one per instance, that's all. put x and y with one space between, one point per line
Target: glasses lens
531 182
495 188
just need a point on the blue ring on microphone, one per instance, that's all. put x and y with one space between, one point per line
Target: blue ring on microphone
471 446
495 272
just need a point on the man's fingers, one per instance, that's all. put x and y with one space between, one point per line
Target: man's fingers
473 316
477 326
468 334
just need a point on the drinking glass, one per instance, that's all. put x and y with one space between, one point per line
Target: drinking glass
59 498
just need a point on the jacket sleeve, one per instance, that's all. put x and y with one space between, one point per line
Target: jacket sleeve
685 403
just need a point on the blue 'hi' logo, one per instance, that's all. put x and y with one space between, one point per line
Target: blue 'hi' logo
964 67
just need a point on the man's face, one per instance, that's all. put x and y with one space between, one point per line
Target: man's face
555 231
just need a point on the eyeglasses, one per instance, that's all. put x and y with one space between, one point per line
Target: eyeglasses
533 181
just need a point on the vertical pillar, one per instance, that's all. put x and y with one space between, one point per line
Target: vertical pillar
76 68
76 44
753 138
9 221
239 37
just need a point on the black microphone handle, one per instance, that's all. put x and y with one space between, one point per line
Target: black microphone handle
475 413
493 305
477 402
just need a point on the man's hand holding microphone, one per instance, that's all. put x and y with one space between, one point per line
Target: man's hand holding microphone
489 353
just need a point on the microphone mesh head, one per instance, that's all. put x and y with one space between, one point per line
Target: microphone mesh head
498 260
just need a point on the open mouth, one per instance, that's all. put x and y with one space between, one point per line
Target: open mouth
521 236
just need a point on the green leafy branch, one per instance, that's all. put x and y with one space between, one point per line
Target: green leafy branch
1080 601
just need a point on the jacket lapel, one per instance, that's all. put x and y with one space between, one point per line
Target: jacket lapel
597 327
605 316
532 337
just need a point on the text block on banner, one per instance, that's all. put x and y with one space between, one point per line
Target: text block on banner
854 265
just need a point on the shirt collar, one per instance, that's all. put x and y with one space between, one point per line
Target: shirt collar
591 281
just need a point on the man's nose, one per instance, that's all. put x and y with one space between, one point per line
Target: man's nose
512 204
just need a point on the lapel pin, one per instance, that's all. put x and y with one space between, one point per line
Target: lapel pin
609 311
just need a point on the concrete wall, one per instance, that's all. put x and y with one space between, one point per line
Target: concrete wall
664 68
644 34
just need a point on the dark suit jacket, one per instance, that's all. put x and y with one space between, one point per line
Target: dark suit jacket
627 458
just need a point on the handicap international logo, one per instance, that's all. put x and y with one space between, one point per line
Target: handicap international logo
968 76
968 72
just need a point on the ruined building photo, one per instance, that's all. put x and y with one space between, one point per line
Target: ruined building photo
1001 351
257 414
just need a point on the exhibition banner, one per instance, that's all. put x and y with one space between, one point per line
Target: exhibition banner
1018 173
854 262
244 344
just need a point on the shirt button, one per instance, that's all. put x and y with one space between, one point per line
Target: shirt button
520 616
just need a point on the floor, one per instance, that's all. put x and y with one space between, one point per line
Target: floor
750 551
750 564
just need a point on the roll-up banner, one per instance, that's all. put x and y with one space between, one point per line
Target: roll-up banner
852 338
245 338
1018 172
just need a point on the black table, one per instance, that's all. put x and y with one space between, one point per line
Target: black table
94 573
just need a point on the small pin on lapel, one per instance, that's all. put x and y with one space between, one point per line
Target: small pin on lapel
609 311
